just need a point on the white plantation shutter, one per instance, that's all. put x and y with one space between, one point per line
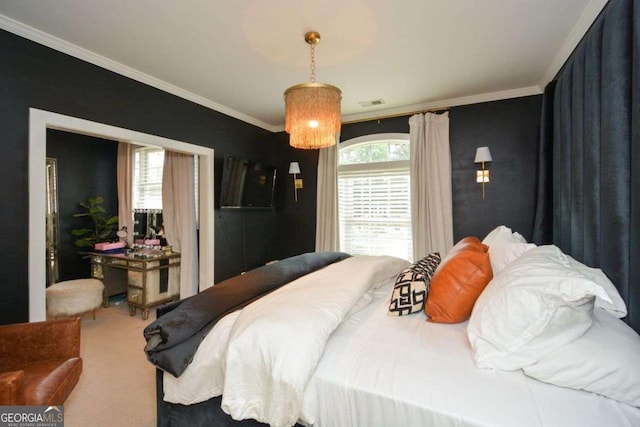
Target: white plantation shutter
147 180
375 208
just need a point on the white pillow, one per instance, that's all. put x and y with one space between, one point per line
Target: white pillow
387 270
503 255
616 307
535 305
505 247
502 235
604 361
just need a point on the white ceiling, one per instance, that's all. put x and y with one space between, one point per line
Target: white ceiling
239 56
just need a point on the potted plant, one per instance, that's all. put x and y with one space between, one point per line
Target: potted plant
104 225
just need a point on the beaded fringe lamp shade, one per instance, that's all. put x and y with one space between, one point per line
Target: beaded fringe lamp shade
312 110
312 115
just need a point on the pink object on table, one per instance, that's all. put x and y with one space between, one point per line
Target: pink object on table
107 246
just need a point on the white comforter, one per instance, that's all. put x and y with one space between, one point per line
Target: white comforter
378 370
261 358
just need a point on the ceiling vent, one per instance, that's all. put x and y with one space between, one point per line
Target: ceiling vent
373 103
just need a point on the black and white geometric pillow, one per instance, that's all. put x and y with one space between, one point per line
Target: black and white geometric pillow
427 265
412 286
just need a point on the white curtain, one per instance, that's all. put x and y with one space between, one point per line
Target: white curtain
178 215
125 188
430 171
327 235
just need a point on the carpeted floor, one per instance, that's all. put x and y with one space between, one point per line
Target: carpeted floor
117 384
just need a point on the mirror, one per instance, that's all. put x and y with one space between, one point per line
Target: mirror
51 221
147 223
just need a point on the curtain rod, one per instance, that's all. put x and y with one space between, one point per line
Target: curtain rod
391 116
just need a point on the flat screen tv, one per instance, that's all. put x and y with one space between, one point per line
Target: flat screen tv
246 184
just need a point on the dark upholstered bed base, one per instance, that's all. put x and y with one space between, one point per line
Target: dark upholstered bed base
208 413
204 414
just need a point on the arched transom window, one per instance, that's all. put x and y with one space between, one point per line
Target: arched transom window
373 193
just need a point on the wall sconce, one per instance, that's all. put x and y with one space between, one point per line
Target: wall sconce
483 155
294 169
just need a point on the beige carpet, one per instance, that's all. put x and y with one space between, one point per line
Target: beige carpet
117 384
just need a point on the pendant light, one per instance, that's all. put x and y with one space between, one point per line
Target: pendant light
312 110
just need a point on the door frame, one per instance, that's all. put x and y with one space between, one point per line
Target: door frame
39 122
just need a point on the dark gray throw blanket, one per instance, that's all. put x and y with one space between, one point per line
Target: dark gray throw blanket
173 339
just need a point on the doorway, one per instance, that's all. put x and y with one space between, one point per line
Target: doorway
39 122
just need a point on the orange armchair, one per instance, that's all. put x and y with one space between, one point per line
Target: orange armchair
40 362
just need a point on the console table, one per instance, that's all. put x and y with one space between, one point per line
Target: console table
148 281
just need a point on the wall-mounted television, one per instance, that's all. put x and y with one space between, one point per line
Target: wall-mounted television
246 184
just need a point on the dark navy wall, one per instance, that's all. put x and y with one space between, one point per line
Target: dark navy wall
298 221
510 129
32 75
87 168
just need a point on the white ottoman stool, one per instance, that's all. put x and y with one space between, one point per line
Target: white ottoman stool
74 297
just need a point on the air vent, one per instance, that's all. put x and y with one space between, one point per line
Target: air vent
373 103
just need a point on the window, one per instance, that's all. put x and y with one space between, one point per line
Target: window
147 178
374 196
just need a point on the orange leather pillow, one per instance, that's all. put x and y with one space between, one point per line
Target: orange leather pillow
470 243
458 282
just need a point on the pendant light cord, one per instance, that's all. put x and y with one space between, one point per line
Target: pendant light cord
313 63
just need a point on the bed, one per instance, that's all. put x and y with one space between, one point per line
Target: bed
331 347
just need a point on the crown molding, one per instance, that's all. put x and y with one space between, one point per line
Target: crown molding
35 35
588 16
441 104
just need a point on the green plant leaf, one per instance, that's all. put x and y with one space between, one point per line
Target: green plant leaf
104 224
84 243
104 235
95 210
81 231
